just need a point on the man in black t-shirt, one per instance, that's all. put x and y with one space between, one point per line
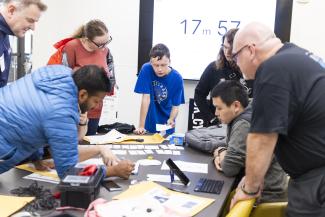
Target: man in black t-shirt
288 118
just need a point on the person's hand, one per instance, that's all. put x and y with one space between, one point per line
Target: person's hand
217 163
218 158
171 122
83 118
42 165
139 131
123 169
240 195
109 158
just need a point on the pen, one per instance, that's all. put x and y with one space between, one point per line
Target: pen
177 190
171 173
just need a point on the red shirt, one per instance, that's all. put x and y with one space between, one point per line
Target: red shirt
78 56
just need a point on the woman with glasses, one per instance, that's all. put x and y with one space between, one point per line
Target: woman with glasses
89 46
221 69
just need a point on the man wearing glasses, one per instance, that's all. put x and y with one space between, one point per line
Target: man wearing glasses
162 91
288 118
16 18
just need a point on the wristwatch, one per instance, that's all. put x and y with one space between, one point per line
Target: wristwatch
221 150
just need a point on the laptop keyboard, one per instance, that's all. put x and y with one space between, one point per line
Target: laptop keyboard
209 186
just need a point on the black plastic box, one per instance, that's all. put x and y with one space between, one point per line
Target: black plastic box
80 191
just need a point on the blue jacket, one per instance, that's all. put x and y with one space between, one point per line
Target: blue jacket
5 51
38 109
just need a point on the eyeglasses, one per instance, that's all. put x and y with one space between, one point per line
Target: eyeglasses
235 55
104 44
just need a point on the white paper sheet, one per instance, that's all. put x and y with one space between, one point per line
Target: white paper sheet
38 177
148 151
188 167
162 178
141 152
119 152
110 137
163 127
176 153
152 147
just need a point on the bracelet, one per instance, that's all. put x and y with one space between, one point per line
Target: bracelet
80 124
247 192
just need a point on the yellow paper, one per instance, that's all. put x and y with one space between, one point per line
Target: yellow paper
10 204
43 173
144 187
125 139
147 139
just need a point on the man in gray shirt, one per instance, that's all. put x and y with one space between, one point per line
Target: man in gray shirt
232 108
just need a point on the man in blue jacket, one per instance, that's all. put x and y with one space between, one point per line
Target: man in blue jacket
43 108
16 18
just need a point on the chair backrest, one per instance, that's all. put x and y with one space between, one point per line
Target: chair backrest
245 209
274 209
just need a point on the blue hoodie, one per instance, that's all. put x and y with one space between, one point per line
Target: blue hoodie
38 109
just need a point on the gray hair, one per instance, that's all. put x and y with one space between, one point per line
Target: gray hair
26 3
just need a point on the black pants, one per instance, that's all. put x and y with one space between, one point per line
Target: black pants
306 195
92 126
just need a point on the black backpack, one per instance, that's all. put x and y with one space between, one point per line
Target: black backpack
121 127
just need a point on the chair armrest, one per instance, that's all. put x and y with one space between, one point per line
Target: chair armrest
242 209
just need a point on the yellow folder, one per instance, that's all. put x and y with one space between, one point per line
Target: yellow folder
43 173
125 139
147 139
147 187
10 204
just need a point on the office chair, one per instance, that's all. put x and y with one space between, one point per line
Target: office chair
245 209
242 209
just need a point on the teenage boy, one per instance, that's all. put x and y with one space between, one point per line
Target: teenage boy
162 91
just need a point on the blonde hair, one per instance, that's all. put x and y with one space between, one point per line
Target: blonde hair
92 29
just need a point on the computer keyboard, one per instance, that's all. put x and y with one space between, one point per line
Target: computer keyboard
209 186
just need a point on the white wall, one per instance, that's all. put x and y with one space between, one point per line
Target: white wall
307 28
122 19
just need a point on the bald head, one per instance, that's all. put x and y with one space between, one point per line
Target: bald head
253 33
253 44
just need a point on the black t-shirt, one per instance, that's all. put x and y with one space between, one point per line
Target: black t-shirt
289 99
209 78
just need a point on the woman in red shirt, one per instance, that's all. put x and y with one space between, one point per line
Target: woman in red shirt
90 47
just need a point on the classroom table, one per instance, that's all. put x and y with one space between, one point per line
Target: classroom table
13 179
